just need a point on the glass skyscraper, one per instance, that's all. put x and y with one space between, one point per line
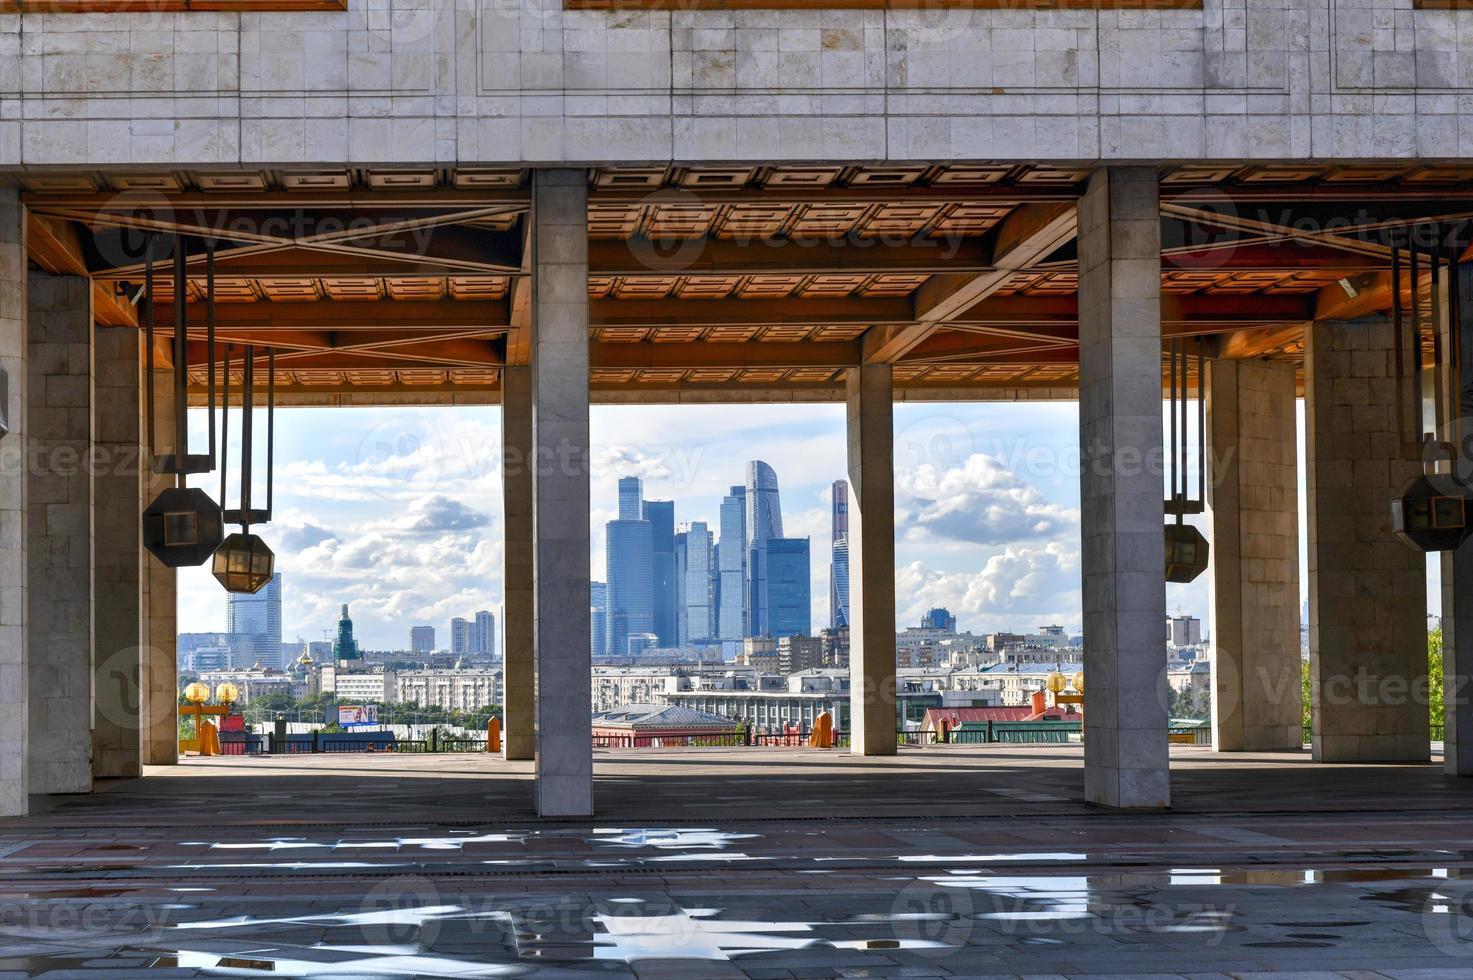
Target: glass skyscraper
694 561
629 561
839 563
256 620
789 588
731 567
661 515
764 518
483 636
598 606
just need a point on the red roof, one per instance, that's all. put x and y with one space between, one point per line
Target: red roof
960 716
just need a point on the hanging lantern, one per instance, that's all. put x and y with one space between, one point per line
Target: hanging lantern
243 563
182 526
1187 551
1432 511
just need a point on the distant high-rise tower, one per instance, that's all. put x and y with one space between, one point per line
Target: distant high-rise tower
764 516
789 588
598 609
694 566
256 620
345 647
661 515
460 637
631 499
939 618
421 639
629 561
483 635
731 567
839 563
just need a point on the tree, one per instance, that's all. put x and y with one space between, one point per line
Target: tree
1435 682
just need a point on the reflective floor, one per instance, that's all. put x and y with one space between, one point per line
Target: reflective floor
382 890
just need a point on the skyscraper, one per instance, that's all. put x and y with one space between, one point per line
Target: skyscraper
483 635
939 618
629 560
731 567
694 567
598 609
631 499
256 620
460 637
344 647
789 588
839 563
661 515
764 517
421 639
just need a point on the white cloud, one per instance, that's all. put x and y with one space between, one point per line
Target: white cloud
980 502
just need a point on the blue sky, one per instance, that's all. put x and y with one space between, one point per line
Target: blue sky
397 511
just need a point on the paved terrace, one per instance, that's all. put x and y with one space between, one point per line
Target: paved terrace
945 861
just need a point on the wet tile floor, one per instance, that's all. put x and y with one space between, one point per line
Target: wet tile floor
1361 895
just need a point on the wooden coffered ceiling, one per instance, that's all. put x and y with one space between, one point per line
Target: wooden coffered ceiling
395 284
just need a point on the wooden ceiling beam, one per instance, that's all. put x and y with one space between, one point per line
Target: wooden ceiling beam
748 312
447 315
849 255
1029 234
646 356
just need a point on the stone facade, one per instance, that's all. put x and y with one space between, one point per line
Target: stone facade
1253 500
516 496
59 594
522 80
118 553
159 639
1120 433
1367 590
13 522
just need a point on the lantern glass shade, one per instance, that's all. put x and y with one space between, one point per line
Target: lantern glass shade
227 693
1186 553
1078 681
183 527
1055 682
243 563
1432 514
197 693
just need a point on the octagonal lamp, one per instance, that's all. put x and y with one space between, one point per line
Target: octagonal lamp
197 693
227 693
183 526
1186 553
244 563
1432 515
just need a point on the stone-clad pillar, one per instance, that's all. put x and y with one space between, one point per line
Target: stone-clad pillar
159 636
59 503
872 719
560 478
1367 590
1121 491
13 530
1457 566
118 556
518 701
1253 500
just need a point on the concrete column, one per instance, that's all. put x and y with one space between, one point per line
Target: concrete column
1367 590
1457 567
1121 489
59 505
870 417
159 631
118 556
1253 498
13 529
560 505
519 699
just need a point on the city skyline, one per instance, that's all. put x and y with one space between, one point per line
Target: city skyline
398 511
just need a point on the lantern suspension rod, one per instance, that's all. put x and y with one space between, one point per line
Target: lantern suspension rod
148 307
1416 351
247 410
225 427
270 428
1171 412
1438 282
210 337
1201 427
1181 404
1399 327
181 358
